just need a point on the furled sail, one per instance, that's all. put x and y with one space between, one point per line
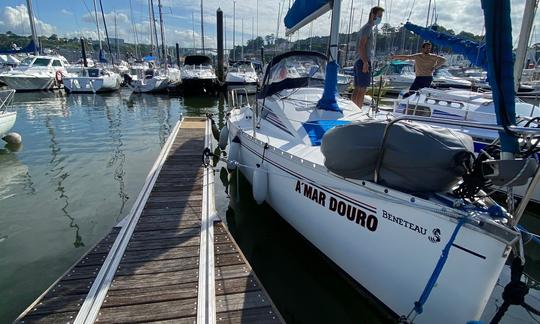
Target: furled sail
303 12
473 51
30 48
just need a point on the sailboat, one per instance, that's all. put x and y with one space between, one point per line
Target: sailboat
95 79
363 191
7 118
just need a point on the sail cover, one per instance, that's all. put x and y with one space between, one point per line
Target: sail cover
473 51
500 67
303 12
30 48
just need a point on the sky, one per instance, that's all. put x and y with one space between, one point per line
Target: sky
75 18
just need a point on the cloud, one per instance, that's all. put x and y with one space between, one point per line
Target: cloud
66 12
16 19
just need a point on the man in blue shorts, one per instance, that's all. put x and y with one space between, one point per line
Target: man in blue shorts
364 55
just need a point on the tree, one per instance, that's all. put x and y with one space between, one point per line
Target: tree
269 39
53 37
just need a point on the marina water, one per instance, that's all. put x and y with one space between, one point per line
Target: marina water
83 161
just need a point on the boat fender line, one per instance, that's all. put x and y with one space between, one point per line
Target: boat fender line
514 292
260 184
265 147
419 305
233 153
223 137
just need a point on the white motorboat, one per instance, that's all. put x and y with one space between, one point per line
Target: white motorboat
242 75
153 80
365 194
467 106
397 76
198 75
444 79
7 118
37 73
93 80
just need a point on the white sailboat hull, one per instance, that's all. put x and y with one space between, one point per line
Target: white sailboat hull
7 120
149 85
92 85
388 247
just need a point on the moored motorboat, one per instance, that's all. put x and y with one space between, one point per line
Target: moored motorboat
198 75
242 75
36 73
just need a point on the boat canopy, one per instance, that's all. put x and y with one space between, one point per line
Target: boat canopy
473 51
294 69
303 12
197 60
30 48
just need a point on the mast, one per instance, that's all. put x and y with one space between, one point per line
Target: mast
116 38
257 18
106 31
154 25
349 34
134 30
202 27
32 26
193 29
234 30
164 58
97 26
152 49
242 44
334 30
524 35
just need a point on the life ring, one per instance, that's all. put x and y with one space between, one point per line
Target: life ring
58 76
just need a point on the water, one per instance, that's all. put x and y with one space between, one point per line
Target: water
83 161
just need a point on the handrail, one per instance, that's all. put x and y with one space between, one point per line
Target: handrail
6 101
443 121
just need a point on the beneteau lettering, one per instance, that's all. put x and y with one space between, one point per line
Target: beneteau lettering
342 208
404 223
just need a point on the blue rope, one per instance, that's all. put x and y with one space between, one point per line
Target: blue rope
534 238
419 305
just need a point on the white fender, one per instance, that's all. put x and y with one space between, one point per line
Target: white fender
233 154
223 137
13 138
260 184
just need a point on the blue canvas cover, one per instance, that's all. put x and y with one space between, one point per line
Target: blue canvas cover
473 51
317 128
302 9
328 100
30 48
500 67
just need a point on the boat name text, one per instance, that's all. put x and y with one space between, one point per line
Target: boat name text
336 205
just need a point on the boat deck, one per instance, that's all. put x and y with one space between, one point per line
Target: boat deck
171 260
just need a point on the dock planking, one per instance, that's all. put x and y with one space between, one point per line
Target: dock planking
157 278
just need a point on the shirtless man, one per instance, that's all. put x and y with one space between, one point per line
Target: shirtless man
425 64
364 55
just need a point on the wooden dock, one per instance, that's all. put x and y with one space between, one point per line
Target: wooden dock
170 261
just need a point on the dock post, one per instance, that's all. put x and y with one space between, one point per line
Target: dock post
83 53
219 15
177 55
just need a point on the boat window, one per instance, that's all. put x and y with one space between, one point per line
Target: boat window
242 68
418 110
41 62
27 61
56 63
296 67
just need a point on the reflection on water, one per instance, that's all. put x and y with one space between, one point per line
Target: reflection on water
83 158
